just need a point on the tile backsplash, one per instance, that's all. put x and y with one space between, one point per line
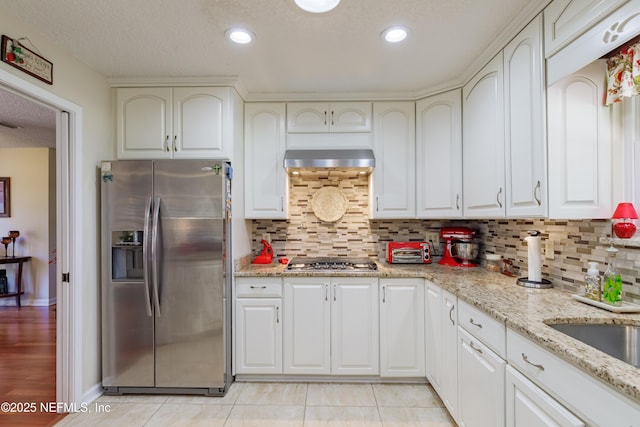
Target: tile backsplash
575 241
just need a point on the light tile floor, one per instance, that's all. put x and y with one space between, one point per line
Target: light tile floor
275 404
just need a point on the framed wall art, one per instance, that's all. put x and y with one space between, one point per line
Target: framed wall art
5 197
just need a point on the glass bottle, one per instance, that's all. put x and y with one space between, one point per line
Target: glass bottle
592 282
612 284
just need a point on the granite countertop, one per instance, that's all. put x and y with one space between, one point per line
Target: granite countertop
524 310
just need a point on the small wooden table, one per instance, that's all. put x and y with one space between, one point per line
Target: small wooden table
15 260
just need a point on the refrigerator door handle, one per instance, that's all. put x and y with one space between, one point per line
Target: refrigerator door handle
145 257
154 255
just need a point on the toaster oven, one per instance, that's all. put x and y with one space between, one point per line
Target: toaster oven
409 252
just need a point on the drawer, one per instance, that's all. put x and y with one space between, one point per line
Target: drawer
584 395
482 326
258 287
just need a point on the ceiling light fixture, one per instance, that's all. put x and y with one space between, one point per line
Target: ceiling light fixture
395 34
317 6
239 35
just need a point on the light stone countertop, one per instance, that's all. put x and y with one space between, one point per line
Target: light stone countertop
524 310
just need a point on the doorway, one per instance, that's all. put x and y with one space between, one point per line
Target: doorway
68 245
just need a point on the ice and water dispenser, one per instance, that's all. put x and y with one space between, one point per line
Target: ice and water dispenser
126 255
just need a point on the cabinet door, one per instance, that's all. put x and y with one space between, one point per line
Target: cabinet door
258 336
579 133
433 329
483 147
393 185
350 117
529 406
402 328
439 156
480 383
199 121
565 20
144 121
354 326
307 117
449 367
264 147
307 326
526 193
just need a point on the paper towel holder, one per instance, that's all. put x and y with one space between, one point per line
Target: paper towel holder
524 281
543 284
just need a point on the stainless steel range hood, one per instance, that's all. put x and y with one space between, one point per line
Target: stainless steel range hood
360 159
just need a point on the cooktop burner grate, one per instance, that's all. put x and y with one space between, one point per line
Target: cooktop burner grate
332 264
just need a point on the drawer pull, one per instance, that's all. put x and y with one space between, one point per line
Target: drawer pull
479 350
474 323
258 287
277 314
450 313
535 365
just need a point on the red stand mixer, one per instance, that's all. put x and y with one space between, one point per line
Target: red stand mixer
266 256
459 248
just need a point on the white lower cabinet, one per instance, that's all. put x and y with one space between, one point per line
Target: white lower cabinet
527 405
331 326
402 349
258 326
480 383
441 345
590 400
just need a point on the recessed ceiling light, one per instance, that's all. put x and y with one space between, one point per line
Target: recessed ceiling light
317 6
239 35
395 34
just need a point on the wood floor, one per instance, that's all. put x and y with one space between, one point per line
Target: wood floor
27 365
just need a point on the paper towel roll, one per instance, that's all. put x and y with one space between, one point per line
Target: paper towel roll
534 265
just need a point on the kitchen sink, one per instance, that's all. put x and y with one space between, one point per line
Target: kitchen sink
619 341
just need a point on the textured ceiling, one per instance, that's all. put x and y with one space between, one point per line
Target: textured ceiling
36 123
294 52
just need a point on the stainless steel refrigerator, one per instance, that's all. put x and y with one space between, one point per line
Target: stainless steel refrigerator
166 285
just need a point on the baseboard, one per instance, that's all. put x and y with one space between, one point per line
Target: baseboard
11 302
92 394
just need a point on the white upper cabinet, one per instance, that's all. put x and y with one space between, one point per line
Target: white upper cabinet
439 156
483 161
525 143
314 117
181 122
566 20
144 119
264 147
579 132
393 185
577 32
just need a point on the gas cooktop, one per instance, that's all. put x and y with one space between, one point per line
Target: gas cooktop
332 264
